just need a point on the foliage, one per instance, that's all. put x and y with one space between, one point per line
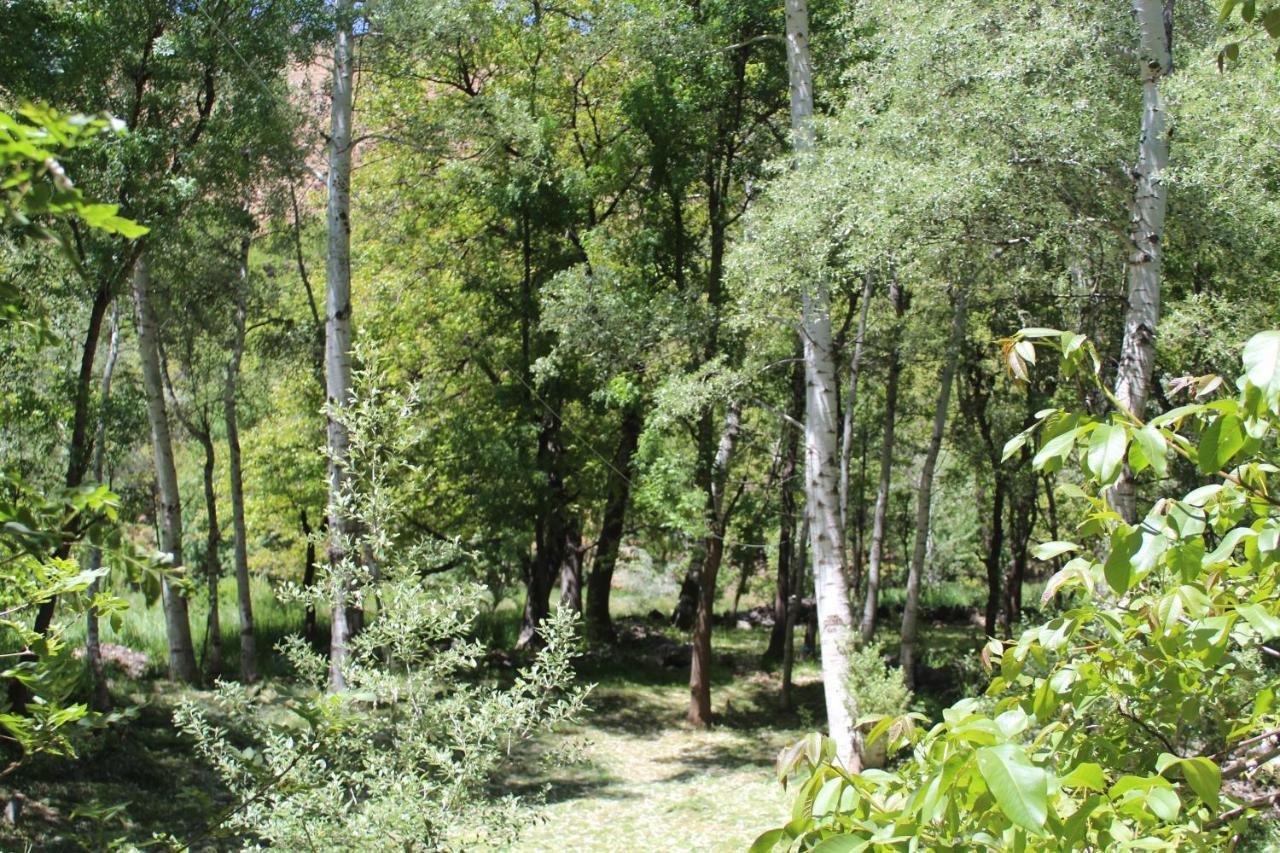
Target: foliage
405 751
39 528
1140 717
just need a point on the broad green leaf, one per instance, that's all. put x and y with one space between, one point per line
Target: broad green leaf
766 841
1153 446
1118 568
1220 441
1020 788
1086 775
1204 777
1056 447
1262 359
841 844
1049 550
1257 616
1106 451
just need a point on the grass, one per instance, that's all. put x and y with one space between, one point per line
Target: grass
644 779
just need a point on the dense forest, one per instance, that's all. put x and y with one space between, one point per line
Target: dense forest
639 425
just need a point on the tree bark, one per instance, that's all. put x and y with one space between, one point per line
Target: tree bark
846 435
713 548
338 342
871 601
995 548
248 641
600 583
308 579
552 533
101 697
571 569
182 661
1146 230
924 497
1022 520
784 591
213 632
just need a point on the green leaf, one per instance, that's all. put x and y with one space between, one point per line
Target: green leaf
1267 626
1118 568
1220 441
1154 449
766 841
1106 452
1056 447
1087 776
1271 23
1204 777
841 844
1020 788
1049 550
1262 353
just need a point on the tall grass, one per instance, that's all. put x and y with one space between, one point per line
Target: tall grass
142 626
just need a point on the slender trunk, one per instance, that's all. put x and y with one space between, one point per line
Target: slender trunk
248 642
924 497
793 613
571 569
308 579
871 601
338 342
713 548
101 698
1022 519
995 548
552 534
860 522
846 436
78 451
1146 230
784 590
213 631
182 661
600 583
822 457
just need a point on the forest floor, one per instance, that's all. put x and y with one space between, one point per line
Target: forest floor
640 778
644 780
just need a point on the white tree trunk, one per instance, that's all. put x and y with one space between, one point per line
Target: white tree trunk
93 645
924 497
248 642
822 460
1146 232
338 333
182 661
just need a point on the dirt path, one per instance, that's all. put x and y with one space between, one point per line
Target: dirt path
647 782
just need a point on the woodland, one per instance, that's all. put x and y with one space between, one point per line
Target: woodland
639 425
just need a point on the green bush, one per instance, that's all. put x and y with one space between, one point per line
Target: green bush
1141 717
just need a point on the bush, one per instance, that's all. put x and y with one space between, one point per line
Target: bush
1139 718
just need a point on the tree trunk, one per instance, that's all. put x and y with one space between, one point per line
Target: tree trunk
1022 520
822 455
871 601
600 583
308 579
101 698
713 548
248 641
182 661
784 590
571 569
552 534
860 522
78 451
213 631
1146 231
338 341
995 548
846 436
924 497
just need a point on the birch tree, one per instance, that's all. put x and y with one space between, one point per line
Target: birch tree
338 337
182 661
822 458
92 641
1146 228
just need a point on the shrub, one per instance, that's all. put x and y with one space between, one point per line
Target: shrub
1139 718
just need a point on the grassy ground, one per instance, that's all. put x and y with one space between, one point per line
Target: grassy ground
643 780
647 781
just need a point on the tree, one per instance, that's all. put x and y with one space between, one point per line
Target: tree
345 618
1146 231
